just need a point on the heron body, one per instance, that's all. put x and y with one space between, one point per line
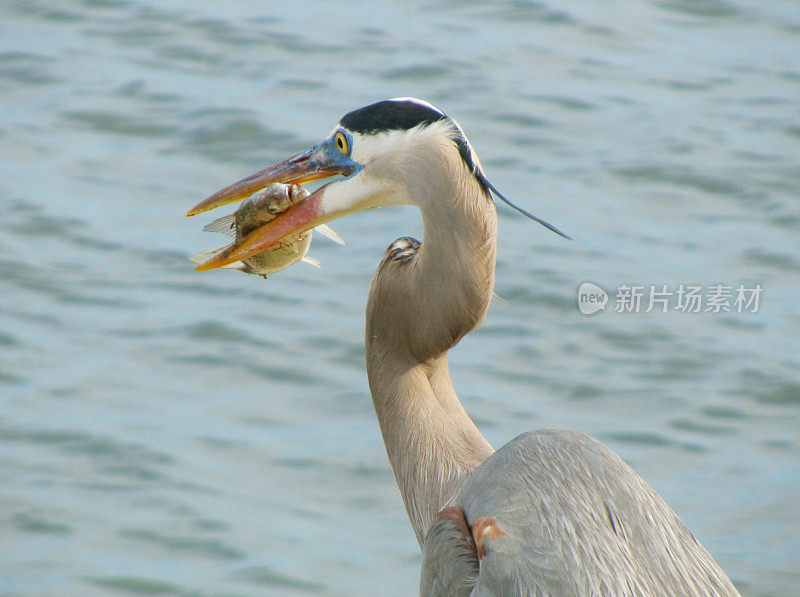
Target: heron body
552 512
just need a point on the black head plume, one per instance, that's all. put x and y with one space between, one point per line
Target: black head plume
526 213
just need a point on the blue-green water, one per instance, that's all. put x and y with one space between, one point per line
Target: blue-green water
168 432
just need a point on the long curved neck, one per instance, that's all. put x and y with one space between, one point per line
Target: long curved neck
417 310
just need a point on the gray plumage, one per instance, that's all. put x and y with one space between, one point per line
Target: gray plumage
578 521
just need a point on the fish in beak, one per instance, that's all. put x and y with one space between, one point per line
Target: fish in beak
255 211
326 159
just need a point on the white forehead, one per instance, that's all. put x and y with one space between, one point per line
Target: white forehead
367 147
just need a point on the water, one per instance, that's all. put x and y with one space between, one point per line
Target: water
169 432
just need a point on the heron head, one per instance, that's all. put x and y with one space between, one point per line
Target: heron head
368 151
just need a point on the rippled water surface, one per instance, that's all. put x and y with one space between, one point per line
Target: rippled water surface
169 432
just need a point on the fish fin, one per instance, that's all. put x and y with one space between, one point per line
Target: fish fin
225 225
237 265
201 258
313 262
328 231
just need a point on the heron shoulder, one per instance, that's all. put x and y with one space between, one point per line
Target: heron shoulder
577 519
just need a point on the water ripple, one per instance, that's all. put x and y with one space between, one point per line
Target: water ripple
137 585
176 544
269 577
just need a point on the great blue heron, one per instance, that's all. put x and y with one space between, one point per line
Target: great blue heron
552 512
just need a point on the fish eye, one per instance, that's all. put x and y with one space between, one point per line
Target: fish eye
340 139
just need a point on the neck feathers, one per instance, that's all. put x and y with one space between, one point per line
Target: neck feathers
429 300
424 298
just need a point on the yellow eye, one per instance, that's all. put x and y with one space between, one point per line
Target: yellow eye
341 142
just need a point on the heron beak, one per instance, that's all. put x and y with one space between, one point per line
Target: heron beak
315 163
308 165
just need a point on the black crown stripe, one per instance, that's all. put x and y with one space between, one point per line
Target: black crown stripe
403 115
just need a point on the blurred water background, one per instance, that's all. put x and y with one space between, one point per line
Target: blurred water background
169 432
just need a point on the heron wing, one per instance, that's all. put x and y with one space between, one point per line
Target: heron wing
576 520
